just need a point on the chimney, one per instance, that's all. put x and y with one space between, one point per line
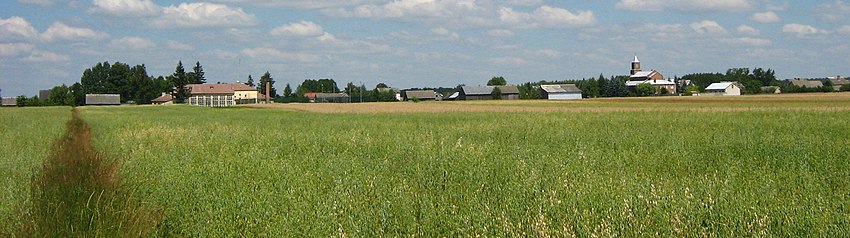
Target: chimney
268 88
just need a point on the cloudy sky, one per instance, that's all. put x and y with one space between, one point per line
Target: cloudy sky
415 43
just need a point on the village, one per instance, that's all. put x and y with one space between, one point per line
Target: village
638 83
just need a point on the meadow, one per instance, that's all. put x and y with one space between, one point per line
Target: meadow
757 166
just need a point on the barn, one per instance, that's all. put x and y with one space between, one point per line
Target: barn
724 89
9 102
560 92
103 99
486 92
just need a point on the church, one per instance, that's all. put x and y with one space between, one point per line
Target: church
653 77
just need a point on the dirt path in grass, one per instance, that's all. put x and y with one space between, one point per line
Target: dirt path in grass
78 193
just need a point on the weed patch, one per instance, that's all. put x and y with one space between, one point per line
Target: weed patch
78 192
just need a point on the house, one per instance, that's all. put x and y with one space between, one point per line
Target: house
222 95
9 102
165 99
724 89
486 92
423 95
328 97
659 85
806 83
654 78
838 82
560 92
771 89
103 99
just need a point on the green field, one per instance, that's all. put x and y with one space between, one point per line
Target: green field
274 172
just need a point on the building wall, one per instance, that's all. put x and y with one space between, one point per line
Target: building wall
733 91
103 99
564 96
212 100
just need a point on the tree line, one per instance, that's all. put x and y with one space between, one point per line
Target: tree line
134 85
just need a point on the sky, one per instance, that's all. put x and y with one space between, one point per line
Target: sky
418 43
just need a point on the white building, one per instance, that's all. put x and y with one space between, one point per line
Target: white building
560 92
724 89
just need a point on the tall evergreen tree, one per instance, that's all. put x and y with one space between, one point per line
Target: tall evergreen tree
197 74
287 91
267 79
250 82
179 81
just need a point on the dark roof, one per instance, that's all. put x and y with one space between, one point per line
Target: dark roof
561 88
487 90
420 94
807 83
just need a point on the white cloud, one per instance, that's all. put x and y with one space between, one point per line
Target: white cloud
43 3
174 45
126 7
766 17
303 29
710 27
303 4
275 54
801 30
546 16
60 31
203 15
749 41
684 5
132 43
416 9
16 29
445 34
833 12
747 30
508 61
844 30
13 49
46 56
500 33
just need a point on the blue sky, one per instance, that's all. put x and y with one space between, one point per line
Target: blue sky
417 43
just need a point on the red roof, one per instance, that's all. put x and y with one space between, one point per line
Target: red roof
218 88
163 98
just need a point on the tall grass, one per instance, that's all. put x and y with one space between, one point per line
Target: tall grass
248 172
26 136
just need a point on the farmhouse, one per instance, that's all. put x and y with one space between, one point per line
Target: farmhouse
803 83
222 95
838 82
486 92
724 89
9 102
424 95
164 99
103 99
654 78
560 92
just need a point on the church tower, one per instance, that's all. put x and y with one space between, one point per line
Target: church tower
635 66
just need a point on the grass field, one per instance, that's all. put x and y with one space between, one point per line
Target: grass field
749 166
27 135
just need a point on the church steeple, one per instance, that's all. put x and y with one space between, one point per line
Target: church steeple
635 66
